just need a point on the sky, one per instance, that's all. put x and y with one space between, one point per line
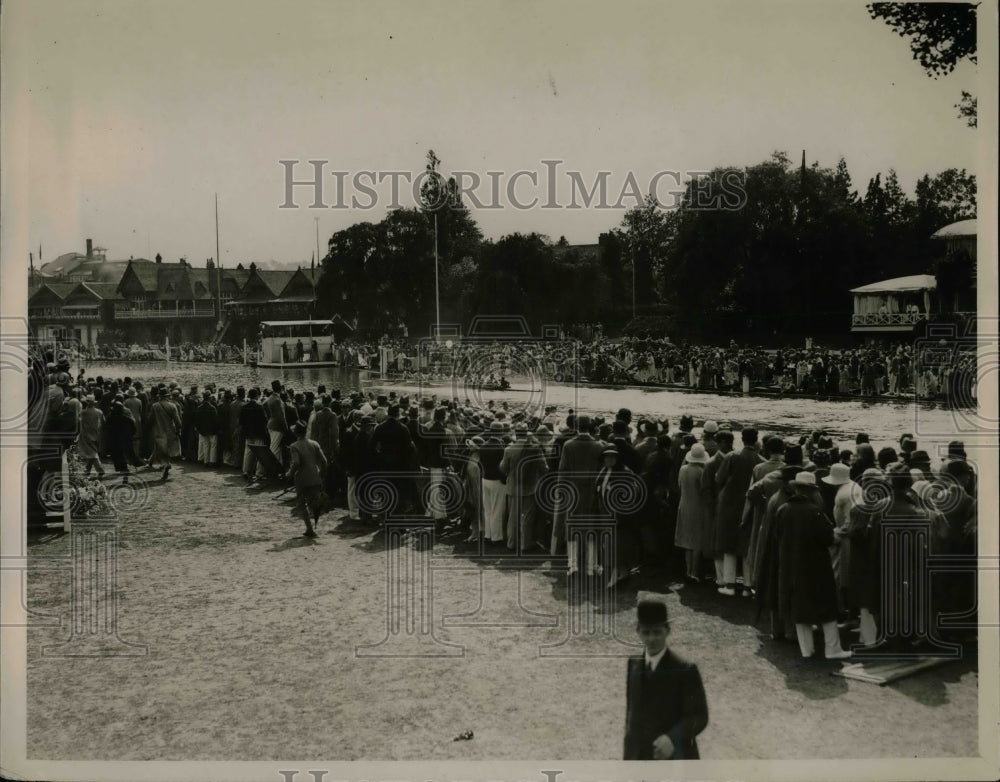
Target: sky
123 120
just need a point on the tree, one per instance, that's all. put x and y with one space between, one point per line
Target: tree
941 36
647 233
968 109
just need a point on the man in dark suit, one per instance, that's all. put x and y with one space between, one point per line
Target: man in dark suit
665 706
523 464
578 467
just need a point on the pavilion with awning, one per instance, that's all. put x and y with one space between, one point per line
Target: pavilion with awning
893 305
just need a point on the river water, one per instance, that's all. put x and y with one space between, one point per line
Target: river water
933 425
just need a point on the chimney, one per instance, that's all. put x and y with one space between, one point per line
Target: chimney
159 258
209 264
90 248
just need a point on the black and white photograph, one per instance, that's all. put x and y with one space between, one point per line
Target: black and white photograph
499 390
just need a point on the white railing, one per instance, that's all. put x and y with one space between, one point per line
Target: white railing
164 314
896 318
887 319
63 315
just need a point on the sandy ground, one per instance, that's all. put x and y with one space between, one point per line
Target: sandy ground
252 632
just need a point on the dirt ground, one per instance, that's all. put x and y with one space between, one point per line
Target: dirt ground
251 633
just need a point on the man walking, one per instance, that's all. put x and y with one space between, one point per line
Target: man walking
166 431
308 469
665 700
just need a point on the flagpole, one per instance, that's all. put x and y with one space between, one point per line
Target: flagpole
437 290
218 268
317 238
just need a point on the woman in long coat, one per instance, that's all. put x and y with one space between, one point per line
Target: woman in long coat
692 512
807 592
724 440
89 441
768 567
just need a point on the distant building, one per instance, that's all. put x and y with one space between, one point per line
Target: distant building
81 296
897 305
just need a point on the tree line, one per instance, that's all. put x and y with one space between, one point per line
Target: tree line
777 261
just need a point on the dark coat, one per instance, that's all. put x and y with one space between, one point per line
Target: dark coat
206 419
253 420
490 456
120 430
670 700
865 533
392 445
733 478
807 591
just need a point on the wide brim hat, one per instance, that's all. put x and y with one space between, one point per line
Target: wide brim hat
710 427
609 451
697 454
839 475
805 479
543 432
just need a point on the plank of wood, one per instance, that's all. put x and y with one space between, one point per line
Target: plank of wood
887 671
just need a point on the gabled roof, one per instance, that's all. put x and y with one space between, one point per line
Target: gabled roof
276 280
107 291
239 276
173 282
146 273
915 282
56 290
205 278
961 228
300 287
112 271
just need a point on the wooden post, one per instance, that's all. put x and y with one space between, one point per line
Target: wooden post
168 348
244 351
67 505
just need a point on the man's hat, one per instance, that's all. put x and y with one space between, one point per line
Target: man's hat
686 423
651 612
805 479
543 432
